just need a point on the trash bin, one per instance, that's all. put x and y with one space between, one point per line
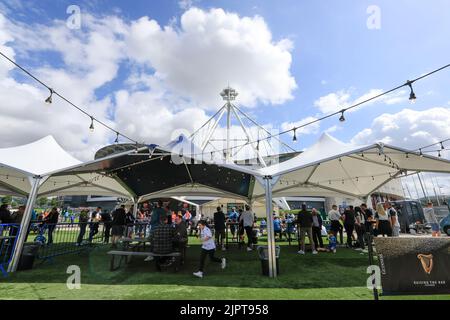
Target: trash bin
29 253
263 252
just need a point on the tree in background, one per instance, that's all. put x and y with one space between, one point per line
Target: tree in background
6 200
42 202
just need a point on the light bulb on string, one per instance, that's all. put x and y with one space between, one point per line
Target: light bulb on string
412 95
442 146
117 138
91 127
439 153
420 153
295 136
49 100
342 118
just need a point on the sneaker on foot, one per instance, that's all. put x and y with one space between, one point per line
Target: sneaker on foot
224 248
224 263
334 250
249 249
314 252
149 258
198 274
301 252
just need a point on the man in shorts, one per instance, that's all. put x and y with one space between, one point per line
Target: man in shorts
430 217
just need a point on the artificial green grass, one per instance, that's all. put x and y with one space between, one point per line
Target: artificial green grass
324 276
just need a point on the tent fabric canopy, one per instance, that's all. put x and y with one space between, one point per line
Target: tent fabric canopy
328 168
46 158
335 167
179 166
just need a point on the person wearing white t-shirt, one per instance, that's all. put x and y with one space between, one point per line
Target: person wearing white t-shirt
247 220
208 248
335 217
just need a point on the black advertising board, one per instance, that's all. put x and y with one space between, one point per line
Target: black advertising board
414 265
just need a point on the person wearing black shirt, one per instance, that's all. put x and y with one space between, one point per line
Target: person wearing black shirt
369 222
118 225
82 223
93 226
5 214
50 222
349 224
181 236
360 227
305 220
219 227
105 217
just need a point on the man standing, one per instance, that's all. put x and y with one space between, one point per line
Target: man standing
82 223
233 218
349 224
219 227
93 226
392 213
51 221
305 221
247 221
430 217
334 216
106 219
118 225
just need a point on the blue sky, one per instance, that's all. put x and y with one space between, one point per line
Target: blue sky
333 51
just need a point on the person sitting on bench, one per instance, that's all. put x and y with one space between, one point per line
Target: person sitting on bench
181 236
161 242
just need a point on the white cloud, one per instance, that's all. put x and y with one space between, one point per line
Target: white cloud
408 128
342 99
309 129
189 67
186 4
212 49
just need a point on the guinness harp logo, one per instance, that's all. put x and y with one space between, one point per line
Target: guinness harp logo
427 262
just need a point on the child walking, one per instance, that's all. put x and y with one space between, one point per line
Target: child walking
208 248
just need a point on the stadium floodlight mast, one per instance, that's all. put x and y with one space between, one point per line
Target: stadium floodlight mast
231 110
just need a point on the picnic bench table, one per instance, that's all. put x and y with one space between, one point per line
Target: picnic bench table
128 243
127 255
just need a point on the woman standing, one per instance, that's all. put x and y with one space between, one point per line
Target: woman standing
317 228
383 225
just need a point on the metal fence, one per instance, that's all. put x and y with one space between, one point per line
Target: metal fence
8 236
68 238
63 238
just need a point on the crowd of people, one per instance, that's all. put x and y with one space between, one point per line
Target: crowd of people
167 230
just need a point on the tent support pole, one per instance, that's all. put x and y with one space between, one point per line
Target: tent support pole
135 207
270 230
24 225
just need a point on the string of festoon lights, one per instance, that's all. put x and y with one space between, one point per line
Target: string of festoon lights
53 92
340 113
293 130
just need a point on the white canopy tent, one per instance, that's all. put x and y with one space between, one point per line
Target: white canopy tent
46 159
332 167
329 167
